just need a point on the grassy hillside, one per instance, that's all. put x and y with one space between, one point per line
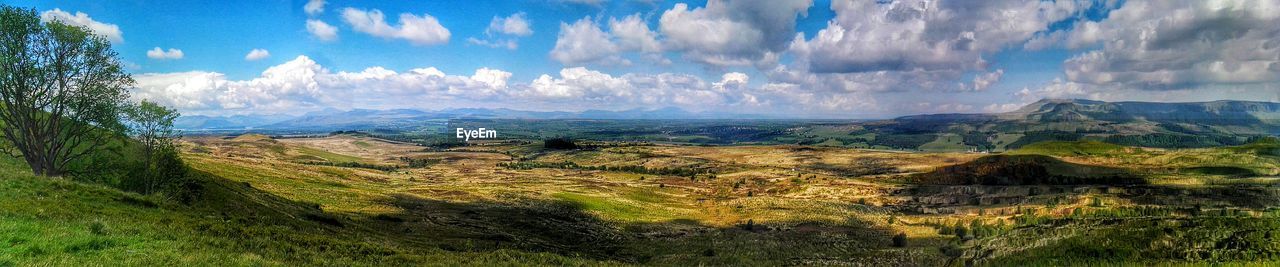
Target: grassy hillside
1070 148
1025 170
58 222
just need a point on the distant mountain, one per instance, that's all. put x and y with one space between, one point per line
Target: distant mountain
237 122
334 119
1076 113
1213 113
353 119
1191 124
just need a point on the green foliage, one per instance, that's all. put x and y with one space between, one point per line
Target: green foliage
902 141
63 90
1175 140
981 140
559 143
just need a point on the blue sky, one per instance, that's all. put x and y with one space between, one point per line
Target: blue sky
841 59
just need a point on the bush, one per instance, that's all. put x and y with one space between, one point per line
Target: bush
900 240
559 143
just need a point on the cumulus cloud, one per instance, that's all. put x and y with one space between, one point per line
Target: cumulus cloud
729 33
418 30
868 36
516 24
724 33
585 87
157 53
314 7
733 81
256 54
106 30
1179 45
502 32
633 34
584 42
874 82
301 84
321 30
982 81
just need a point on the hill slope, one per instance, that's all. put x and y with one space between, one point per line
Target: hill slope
59 222
1149 124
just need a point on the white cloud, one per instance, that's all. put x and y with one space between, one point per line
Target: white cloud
516 24
724 33
585 88
583 42
728 33
634 35
109 31
314 7
1000 108
257 54
733 81
157 53
322 31
496 79
982 81
868 36
512 27
301 85
418 30
1179 45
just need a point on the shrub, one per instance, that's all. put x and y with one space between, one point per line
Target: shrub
559 143
900 240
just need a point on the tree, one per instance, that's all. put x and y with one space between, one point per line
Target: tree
61 88
152 126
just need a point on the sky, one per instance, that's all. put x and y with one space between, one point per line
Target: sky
796 58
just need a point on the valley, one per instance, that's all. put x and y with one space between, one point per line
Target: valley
667 204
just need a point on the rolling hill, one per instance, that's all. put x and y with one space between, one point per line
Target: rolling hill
1151 124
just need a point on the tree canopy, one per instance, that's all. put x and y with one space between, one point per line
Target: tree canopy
62 90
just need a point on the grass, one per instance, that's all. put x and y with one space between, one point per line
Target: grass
1069 148
327 156
46 221
606 206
